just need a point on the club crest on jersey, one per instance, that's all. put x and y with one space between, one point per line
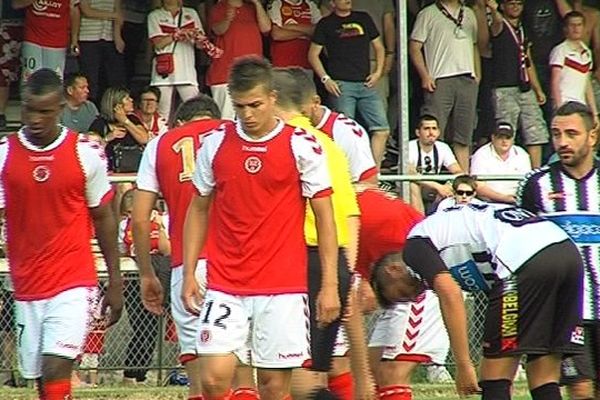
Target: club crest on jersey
41 173
253 164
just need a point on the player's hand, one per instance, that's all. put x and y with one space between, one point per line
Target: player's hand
112 304
152 294
366 297
332 87
428 84
466 379
230 14
328 305
191 297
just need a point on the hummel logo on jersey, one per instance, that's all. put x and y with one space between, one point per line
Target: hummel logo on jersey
41 158
257 149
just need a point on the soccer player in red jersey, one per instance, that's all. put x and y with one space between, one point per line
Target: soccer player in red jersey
255 175
167 167
50 258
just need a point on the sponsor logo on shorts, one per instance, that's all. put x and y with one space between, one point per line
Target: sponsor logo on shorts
510 315
288 356
205 336
569 369
578 335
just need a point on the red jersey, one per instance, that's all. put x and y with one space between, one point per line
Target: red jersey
126 237
292 53
47 23
243 38
167 167
385 222
256 240
46 194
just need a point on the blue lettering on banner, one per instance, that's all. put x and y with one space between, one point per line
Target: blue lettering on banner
469 277
582 228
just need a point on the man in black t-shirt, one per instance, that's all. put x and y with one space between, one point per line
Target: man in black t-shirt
347 36
517 93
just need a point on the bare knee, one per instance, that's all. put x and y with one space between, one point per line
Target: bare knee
582 390
56 368
274 385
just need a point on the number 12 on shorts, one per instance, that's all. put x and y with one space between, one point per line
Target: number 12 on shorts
222 312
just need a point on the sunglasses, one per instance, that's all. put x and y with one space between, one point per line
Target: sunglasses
465 192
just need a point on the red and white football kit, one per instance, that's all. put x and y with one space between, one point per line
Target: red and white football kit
167 167
353 140
407 331
46 194
256 248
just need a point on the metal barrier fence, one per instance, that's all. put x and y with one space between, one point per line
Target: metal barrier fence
142 342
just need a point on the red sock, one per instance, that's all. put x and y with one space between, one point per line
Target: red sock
57 390
245 393
199 397
225 396
342 386
396 392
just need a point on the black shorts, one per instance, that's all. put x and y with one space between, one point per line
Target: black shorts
586 366
7 305
322 340
538 309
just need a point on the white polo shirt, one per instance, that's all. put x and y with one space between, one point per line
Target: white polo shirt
486 161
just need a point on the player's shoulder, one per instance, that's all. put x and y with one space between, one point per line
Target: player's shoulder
537 173
89 147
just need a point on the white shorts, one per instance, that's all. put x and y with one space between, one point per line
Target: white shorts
263 331
55 326
341 347
412 331
186 324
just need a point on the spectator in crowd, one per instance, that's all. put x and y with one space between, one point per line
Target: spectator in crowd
46 37
591 34
52 293
174 29
429 156
292 170
292 25
238 26
11 36
121 130
542 22
79 112
345 132
443 49
347 36
101 45
464 190
147 111
517 93
135 33
572 65
500 156
168 173
566 192
144 324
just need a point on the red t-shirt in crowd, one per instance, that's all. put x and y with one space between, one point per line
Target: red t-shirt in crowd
47 22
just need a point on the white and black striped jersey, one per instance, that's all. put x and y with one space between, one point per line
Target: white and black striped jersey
574 204
481 243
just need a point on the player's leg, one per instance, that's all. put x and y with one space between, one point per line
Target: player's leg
496 377
279 341
244 383
28 323
188 328
64 331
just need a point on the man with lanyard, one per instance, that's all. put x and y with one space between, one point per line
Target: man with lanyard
517 94
443 49
567 191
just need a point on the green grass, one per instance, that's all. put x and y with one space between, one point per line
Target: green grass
421 392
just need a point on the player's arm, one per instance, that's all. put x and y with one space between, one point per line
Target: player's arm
75 16
150 287
195 230
105 225
527 195
328 302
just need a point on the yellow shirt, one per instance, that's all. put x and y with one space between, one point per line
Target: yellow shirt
343 198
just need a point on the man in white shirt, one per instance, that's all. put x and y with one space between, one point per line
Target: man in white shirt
500 156
427 155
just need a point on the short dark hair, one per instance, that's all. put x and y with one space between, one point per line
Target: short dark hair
70 79
198 106
249 72
149 89
290 85
427 117
575 107
379 277
44 81
464 180
571 15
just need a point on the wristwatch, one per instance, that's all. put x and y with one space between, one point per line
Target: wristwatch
325 78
